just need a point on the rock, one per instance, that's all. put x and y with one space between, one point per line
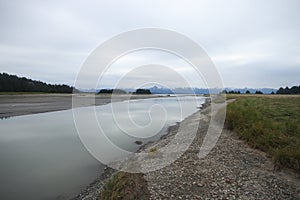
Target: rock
138 142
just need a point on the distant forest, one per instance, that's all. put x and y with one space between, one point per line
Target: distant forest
13 83
142 91
287 90
119 91
110 91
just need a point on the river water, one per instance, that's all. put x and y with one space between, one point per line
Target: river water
42 156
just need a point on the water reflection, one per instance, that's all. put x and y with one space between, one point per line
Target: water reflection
42 156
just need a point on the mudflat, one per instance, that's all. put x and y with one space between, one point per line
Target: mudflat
25 104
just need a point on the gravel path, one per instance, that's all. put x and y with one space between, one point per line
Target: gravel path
232 170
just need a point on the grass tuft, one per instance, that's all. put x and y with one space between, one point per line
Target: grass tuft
125 186
153 149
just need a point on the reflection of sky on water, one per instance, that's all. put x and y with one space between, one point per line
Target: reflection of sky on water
42 156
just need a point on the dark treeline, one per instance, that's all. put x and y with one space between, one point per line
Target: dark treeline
231 92
142 91
287 90
110 91
119 91
13 83
238 92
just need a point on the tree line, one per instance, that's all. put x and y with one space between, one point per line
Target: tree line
110 91
142 91
119 91
287 90
238 92
13 83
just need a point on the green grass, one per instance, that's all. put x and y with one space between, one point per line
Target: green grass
125 186
269 123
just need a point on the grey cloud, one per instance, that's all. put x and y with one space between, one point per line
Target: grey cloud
49 40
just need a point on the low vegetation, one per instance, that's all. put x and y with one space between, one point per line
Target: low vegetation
125 186
270 123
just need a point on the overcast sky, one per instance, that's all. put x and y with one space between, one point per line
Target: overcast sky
252 43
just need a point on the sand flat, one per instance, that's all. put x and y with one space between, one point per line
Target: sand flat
25 104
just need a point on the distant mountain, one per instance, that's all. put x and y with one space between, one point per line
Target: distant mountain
187 90
88 90
156 90
13 83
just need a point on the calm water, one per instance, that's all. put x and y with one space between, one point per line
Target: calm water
42 156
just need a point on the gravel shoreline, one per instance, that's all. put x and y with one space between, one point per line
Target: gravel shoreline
232 170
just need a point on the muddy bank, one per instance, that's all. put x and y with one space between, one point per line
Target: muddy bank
25 104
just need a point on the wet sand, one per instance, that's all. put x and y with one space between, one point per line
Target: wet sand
26 104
